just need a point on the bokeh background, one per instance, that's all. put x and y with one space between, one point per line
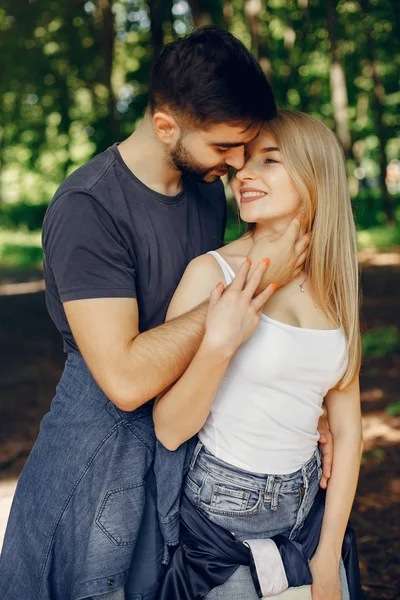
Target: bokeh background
73 80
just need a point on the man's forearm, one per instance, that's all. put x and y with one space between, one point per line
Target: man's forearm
158 357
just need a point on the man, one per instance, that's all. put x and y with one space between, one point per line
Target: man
117 237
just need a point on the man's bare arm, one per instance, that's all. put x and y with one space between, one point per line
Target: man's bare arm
132 368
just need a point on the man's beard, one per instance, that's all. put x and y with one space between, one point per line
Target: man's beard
184 162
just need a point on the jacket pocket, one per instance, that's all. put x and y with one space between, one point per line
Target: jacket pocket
121 513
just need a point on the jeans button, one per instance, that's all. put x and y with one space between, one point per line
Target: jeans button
110 582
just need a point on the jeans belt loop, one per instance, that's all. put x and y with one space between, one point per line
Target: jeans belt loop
196 452
275 495
269 488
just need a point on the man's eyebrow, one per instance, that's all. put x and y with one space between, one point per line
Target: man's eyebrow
270 149
227 144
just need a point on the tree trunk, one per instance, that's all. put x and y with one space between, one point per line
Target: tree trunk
338 83
160 11
378 95
207 12
228 12
252 10
105 22
259 45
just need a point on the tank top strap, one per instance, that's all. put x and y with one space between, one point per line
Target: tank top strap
226 269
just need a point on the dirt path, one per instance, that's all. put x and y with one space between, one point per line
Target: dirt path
32 362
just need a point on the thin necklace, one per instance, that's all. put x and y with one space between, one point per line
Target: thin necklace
301 285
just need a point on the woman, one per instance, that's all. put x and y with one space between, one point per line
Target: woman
268 362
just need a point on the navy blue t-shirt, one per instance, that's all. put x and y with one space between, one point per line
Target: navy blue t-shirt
106 234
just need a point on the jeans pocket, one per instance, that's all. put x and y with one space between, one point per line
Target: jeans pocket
225 498
121 513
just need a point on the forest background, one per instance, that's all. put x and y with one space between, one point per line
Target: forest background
73 80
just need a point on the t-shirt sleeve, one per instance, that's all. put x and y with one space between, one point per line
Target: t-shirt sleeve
85 251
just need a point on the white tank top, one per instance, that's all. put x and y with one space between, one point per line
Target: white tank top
266 410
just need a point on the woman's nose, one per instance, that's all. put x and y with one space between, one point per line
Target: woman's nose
245 173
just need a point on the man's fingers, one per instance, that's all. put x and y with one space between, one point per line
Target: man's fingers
297 271
302 243
241 276
292 232
300 261
327 457
323 483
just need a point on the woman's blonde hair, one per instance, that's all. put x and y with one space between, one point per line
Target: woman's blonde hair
315 161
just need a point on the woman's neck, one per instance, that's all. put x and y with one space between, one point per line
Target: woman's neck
271 228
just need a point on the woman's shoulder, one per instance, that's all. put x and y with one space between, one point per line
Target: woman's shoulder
201 276
205 266
235 253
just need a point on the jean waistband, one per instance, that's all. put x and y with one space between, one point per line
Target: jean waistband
205 459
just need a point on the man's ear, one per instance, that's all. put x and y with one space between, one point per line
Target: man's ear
166 128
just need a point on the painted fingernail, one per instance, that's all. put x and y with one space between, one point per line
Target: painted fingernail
249 260
266 261
274 286
220 283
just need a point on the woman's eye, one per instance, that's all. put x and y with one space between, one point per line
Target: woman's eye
270 161
222 150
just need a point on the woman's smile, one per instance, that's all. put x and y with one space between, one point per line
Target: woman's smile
248 194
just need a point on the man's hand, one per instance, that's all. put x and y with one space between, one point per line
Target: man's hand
287 253
326 448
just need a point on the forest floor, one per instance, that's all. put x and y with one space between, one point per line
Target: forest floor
32 362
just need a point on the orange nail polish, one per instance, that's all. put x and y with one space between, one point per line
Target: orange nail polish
267 261
248 260
274 286
219 283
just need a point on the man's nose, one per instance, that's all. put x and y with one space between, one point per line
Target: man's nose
235 157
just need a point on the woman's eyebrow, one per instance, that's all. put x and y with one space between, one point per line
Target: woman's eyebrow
270 149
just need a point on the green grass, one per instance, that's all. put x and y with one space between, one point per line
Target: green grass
376 454
20 250
382 237
379 343
393 409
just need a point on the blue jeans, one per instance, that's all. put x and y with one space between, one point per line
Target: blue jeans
250 506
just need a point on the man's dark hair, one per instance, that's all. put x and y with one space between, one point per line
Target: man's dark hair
210 77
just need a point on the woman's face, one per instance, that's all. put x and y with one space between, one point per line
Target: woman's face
263 188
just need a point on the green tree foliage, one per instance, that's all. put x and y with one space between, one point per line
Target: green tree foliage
73 80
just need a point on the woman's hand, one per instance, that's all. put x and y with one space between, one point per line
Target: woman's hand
326 580
234 312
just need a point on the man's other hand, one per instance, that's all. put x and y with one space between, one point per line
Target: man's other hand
326 448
